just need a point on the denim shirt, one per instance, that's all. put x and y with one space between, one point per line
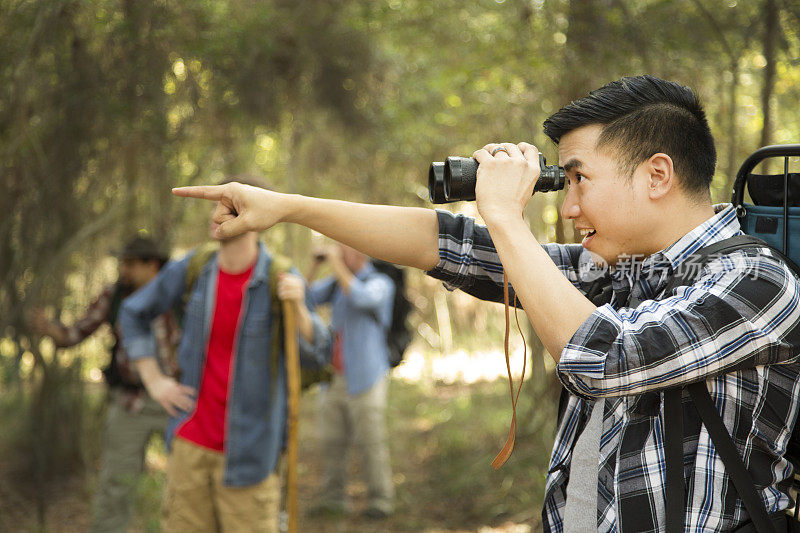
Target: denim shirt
257 401
362 318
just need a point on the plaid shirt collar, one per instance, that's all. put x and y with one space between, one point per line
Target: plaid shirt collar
647 276
722 225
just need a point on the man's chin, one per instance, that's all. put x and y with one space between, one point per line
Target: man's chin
590 246
598 257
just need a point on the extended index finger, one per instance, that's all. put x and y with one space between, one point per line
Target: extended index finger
205 192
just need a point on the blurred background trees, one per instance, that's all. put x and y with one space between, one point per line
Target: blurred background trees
107 104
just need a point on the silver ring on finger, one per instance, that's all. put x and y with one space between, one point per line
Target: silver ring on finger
500 149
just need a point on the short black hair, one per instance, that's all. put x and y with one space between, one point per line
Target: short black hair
150 258
644 115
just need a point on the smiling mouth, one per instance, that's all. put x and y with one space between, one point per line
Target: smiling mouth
587 232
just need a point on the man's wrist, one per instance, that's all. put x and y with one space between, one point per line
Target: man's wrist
149 372
294 205
501 218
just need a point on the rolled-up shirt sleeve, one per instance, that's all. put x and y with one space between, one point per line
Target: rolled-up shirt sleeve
468 260
321 292
96 314
371 294
741 311
315 353
140 308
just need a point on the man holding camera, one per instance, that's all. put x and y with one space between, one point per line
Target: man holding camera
353 405
639 159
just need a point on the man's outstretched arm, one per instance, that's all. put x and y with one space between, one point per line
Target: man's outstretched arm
402 235
410 236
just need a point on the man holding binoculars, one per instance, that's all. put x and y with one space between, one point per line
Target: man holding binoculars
639 159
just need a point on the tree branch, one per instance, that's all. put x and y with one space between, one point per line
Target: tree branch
715 26
87 232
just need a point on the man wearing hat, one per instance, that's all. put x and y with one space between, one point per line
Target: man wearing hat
132 416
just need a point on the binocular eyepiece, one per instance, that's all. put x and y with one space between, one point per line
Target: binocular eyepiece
454 179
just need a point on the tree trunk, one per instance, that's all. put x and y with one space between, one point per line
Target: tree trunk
732 130
583 58
771 30
583 61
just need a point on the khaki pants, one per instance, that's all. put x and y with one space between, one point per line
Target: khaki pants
125 441
357 420
196 499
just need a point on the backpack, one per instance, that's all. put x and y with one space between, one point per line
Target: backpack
309 374
399 334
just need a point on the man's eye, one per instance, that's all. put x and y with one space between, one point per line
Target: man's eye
575 179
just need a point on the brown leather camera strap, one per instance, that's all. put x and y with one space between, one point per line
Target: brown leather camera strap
505 453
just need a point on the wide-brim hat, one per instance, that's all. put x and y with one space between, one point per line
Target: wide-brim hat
142 248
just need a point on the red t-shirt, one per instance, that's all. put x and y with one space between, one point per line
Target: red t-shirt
207 426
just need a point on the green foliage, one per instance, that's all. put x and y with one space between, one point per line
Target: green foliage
149 493
104 106
464 428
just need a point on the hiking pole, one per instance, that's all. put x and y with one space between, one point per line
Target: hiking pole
293 385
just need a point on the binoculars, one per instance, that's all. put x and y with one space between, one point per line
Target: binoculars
454 179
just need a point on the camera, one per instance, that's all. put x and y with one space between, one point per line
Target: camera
454 179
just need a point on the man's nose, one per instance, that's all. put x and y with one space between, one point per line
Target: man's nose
570 208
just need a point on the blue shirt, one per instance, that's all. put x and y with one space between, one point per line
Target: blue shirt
362 319
257 399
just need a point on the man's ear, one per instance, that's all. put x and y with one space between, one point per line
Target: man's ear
660 173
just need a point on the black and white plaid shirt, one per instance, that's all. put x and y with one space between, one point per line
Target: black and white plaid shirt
737 328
